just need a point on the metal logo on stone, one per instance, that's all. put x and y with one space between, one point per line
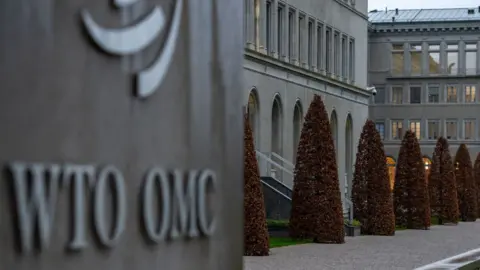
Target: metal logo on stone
133 39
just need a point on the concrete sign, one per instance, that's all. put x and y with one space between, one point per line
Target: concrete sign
121 134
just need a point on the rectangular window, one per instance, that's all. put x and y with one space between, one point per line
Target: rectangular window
452 47
433 129
397 59
433 94
344 57
381 129
415 128
328 50
451 127
301 30
434 63
310 44
415 94
452 96
269 27
397 129
291 24
380 96
471 46
397 94
471 62
336 53
469 131
452 63
351 63
470 93
416 59
280 28
319 47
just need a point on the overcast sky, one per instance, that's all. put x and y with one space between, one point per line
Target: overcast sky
413 4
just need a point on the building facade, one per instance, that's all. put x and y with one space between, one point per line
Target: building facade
425 65
293 50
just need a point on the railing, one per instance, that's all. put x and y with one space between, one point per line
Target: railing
350 209
283 160
469 260
269 167
276 190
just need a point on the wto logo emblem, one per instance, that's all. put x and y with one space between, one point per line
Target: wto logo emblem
133 39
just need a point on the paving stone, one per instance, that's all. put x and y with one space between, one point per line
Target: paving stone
406 250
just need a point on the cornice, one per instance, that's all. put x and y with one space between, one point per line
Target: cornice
423 28
352 9
259 57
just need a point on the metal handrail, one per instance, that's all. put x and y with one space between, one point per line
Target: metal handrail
350 209
283 160
276 190
466 261
269 160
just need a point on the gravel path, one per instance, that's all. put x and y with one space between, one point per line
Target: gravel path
406 250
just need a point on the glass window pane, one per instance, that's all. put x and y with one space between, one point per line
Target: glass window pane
397 129
470 93
381 129
452 94
469 129
380 96
471 63
434 63
432 47
415 127
416 59
397 95
472 46
415 94
451 127
452 46
433 94
433 129
452 63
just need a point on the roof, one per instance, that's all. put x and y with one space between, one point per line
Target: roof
424 15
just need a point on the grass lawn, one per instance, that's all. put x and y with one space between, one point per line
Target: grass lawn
286 241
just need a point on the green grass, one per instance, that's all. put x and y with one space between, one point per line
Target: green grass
286 241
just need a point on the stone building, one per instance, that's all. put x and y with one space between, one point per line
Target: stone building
293 50
425 65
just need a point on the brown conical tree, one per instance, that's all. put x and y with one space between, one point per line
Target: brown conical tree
442 185
317 210
476 171
371 195
255 232
412 208
466 188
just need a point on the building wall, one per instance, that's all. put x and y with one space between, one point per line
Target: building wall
383 110
275 70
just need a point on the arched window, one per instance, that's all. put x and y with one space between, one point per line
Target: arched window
391 163
254 114
277 124
334 129
348 153
297 127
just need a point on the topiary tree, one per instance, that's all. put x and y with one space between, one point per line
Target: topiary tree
255 232
476 171
371 196
442 185
412 209
466 188
317 210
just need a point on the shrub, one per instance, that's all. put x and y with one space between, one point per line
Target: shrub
317 211
371 195
466 188
412 209
477 181
255 235
442 185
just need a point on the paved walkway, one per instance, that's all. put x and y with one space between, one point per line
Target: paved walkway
406 250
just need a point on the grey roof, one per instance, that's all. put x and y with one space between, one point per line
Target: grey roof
425 15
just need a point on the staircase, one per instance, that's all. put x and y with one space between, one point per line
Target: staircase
276 175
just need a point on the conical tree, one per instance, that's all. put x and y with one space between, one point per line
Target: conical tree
317 210
372 199
412 208
442 185
255 232
466 188
476 171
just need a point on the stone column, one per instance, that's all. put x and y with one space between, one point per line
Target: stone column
478 62
347 61
321 65
295 56
315 52
286 26
275 27
461 58
443 57
425 59
407 59
250 23
263 26
305 42
90 146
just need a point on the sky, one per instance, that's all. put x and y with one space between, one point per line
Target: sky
414 4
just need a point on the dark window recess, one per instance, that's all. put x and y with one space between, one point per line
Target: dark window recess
380 96
415 94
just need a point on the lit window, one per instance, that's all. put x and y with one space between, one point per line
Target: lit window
469 129
433 129
381 129
397 129
433 94
397 59
415 128
452 94
451 127
397 95
470 93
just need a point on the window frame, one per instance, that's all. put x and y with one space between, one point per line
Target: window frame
452 50
474 123
456 129
399 136
382 124
473 95
439 132
418 124
447 95
413 49
429 86
420 94
392 98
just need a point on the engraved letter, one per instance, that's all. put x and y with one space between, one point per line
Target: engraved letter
184 205
34 206
206 176
107 239
76 176
150 221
